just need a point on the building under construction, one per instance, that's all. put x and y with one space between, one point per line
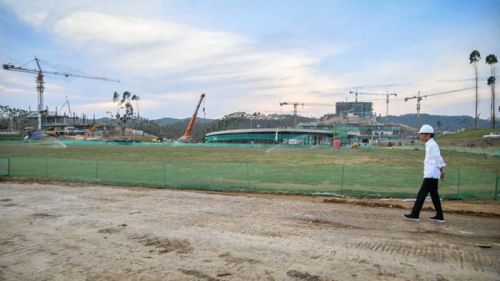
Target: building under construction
352 122
361 109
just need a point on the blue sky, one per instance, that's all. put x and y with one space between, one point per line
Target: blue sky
249 55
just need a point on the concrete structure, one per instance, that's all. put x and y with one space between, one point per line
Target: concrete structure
270 136
52 119
361 109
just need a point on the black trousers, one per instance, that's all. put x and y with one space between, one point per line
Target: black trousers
429 185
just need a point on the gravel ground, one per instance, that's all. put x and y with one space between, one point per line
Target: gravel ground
53 232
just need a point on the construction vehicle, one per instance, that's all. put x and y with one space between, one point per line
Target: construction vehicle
99 130
186 137
54 132
296 105
356 145
40 82
64 131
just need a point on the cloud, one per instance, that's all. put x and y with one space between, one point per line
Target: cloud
183 55
9 90
169 63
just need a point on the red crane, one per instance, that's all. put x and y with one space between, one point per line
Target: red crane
39 81
187 134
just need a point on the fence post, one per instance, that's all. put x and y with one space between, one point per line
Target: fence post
342 179
164 174
8 167
97 170
458 180
248 177
496 186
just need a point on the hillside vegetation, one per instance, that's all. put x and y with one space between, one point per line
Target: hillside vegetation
469 138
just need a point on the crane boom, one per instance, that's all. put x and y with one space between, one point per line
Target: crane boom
65 74
187 134
40 81
296 104
387 96
419 98
437 94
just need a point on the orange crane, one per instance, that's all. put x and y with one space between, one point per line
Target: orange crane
40 82
187 134
296 104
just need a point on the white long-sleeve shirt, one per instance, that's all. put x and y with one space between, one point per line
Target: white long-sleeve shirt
433 161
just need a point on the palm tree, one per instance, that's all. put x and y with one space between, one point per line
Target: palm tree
474 57
492 60
124 104
136 99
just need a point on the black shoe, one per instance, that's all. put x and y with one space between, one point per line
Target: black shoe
411 217
437 219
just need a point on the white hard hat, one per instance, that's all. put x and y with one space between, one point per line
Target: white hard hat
426 129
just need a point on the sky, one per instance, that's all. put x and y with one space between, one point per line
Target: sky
249 55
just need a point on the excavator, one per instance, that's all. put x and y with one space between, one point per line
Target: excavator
187 134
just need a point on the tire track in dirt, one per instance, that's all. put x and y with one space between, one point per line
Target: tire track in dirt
20 247
435 252
164 245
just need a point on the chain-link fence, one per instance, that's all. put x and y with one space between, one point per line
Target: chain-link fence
355 179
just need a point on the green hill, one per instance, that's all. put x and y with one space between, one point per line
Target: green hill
469 138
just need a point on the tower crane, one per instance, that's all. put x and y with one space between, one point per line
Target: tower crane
40 73
387 96
186 137
296 105
420 97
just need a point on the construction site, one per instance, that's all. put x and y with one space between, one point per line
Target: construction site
245 197
349 123
264 141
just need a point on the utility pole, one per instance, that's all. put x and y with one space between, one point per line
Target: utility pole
493 109
477 96
492 82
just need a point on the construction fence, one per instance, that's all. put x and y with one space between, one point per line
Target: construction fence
370 180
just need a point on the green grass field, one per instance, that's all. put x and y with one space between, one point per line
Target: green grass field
369 172
471 139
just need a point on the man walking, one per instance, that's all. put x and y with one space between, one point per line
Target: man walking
433 171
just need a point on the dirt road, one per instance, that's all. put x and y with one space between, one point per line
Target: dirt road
50 232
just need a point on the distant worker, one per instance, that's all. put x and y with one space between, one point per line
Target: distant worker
433 172
27 138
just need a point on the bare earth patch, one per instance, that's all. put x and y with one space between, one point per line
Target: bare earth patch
54 232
